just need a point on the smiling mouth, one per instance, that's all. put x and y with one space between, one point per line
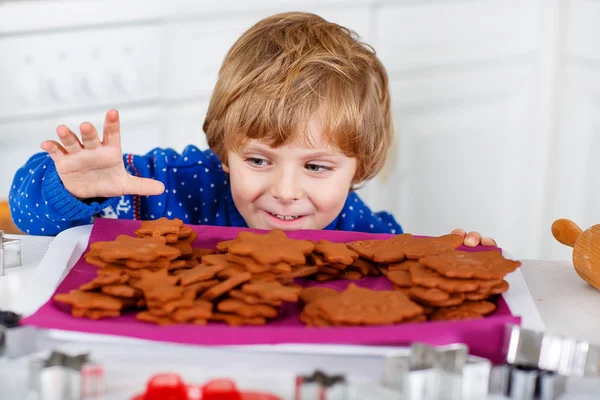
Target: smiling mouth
285 217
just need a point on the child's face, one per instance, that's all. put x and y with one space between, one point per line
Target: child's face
290 187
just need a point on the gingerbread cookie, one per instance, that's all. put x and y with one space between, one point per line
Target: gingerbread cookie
395 251
198 253
350 275
361 265
484 293
192 291
90 300
356 305
450 313
225 286
368 248
122 291
423 276
191 238
467 310
200 309
185 249
251 265
479 265
310 294
400 278
147 316
94 314
335 253
105 280
272 291
453 299
138 249
273 247
160 227
231 271
252 299
199 273
422 247
236 306
235 320
428 295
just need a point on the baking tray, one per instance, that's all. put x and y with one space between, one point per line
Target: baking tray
63 262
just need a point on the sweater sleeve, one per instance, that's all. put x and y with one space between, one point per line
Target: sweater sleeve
357 216
40 204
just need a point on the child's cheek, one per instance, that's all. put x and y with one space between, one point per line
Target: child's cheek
246 185
328 197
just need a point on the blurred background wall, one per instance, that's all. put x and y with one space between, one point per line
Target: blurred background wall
496 102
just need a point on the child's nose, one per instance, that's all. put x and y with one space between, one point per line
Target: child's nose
286 189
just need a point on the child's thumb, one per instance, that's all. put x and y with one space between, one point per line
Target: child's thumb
144 187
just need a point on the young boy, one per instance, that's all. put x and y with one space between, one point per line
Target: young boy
299 116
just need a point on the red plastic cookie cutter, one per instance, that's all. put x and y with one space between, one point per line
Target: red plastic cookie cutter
172 387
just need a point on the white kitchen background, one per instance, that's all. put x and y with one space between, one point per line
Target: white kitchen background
496 102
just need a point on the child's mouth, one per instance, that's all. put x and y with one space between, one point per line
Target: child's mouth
286 218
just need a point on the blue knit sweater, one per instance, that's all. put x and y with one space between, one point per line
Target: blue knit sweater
197 191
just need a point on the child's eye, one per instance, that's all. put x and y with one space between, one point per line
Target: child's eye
257 162
318 168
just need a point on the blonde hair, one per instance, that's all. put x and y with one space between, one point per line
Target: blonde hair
293 67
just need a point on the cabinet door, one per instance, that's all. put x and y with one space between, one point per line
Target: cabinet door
463 83
574 190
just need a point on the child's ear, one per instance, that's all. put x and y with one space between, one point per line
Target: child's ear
225 168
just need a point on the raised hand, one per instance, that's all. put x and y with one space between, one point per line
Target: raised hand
92 168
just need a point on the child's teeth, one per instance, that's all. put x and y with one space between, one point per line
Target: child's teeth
286 217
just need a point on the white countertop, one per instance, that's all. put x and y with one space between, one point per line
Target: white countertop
567 304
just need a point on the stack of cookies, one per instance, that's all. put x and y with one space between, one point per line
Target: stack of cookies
457 284
176 283
176 234
447 283
267 257
337 261
122 263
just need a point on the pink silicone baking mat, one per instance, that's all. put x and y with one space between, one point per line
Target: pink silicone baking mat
483 336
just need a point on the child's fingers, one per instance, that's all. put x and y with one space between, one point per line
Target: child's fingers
89 135
69 140
112 129
486 241
54 150
460 232
143 186
472 239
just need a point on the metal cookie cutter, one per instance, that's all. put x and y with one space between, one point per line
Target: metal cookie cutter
65 377
437 372
549 352
15 340
320 386
10 253
539 365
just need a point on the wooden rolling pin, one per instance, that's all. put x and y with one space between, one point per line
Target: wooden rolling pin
586 248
